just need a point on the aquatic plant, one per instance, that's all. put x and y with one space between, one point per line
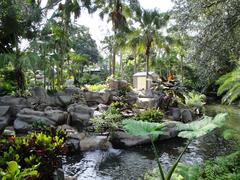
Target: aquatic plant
189 131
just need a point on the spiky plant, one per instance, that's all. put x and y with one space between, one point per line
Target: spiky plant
229 86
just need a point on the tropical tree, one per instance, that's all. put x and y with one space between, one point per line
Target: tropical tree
214 28
150 23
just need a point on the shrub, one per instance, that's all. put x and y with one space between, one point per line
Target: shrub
194 99
109 121
151 115
96 87
37 152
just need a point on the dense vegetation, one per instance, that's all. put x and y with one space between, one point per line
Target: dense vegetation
194 49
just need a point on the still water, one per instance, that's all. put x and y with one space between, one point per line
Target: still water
131 164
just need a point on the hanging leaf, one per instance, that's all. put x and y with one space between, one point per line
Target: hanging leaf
202 127
141 128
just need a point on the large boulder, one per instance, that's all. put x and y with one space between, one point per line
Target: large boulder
15 103
80 115
146 103
182 115
94 143
122 139
27 117
4 117
73 138
115 84
97 97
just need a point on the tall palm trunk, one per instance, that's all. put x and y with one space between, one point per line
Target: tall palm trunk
113 62
147 54
20 77
135 61
121 64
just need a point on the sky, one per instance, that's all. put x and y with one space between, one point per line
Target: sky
99 29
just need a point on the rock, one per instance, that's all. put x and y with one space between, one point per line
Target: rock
40 95
80 114
131 98
97 114
21 126
4 117
15 103
183 115
115 84
4 110
58 174
65 99
169 131
147 103
94 143
27 117
102 107
122 140
97 97
9 131
72 90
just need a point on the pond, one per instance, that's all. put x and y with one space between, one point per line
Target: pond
124 164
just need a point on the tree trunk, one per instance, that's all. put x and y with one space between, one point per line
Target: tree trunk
182 69
147 71
121 64
113 62
135 61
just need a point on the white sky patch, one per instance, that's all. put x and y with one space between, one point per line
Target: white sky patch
99 28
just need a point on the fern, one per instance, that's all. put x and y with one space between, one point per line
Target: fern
194 99
229 86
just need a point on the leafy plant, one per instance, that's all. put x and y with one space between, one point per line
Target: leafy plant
194 99
229 86
151 115
109 121
141 128
190 131
226 167
96 87
37 150
13 172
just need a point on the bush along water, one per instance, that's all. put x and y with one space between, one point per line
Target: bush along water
35 156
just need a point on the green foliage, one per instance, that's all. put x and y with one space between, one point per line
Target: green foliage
109 121
34 153
201 127
150 115
141 128
182 172
194 99
222 168
229 86
13 172
96 87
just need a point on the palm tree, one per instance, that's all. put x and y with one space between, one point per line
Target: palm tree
150 23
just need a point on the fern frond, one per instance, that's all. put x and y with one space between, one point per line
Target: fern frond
229 84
